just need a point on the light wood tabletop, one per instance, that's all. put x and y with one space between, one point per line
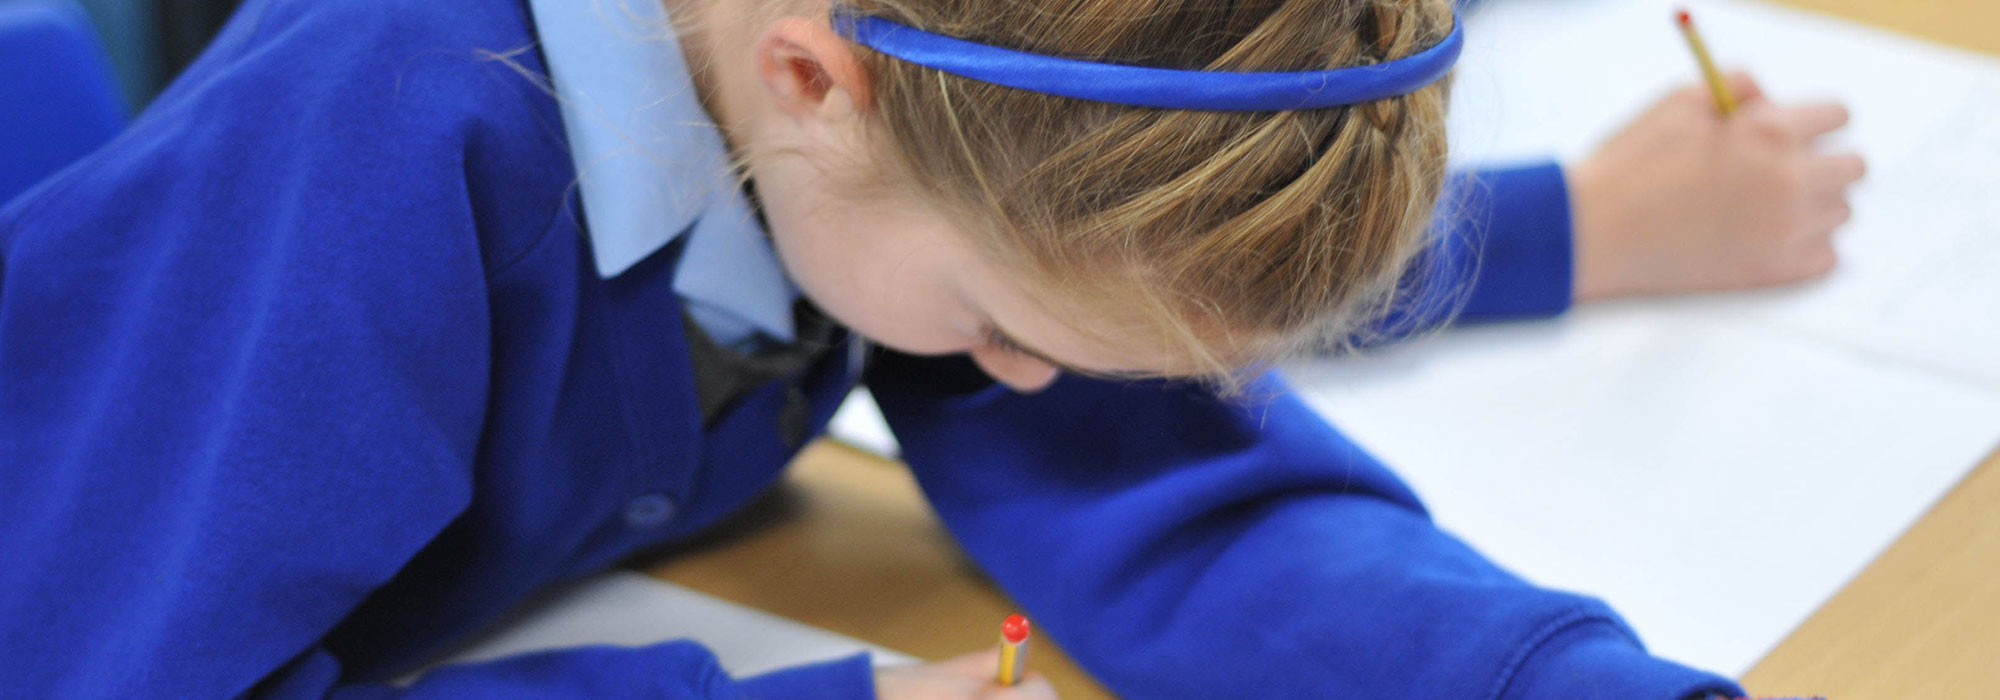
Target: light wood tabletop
848 544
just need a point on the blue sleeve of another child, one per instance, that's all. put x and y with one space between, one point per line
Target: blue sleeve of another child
1518 219
244 357
1501 249
1182 546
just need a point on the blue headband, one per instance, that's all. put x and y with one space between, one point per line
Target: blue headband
1142 86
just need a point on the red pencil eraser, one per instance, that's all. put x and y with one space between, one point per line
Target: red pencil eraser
1683 18
1015 629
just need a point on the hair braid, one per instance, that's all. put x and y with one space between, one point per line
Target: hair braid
1235 236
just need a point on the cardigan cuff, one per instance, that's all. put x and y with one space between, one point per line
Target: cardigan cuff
1596 659
1520 220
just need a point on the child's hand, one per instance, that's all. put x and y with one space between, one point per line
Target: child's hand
1686 200
968 677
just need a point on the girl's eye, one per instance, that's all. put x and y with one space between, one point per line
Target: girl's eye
1002 343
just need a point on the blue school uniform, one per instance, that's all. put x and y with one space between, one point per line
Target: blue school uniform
318 367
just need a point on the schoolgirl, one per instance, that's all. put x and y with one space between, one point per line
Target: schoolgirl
389 314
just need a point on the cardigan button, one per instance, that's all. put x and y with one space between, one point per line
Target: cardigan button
649 511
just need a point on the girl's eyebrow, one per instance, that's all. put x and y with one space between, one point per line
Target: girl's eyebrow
1006 341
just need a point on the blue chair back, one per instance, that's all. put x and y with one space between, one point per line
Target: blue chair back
58 99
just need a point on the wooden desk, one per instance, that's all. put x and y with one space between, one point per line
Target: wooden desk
848 544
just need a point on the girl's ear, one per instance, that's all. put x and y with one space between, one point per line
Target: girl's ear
803 62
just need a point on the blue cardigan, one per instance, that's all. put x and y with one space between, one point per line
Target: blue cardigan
309 374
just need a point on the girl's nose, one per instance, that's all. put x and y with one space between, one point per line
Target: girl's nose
1019 372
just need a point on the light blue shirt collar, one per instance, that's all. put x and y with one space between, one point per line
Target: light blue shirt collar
651 165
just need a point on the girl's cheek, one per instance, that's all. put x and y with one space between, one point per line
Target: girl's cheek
912 324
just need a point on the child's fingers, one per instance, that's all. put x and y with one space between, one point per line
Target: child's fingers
1829 216
1813 119
1033 686
1743 87
1829 174
1816 261
979 663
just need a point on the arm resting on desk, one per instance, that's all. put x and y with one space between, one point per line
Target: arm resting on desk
321 431
1185 547
233 407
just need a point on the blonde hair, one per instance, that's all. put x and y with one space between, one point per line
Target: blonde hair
1234 238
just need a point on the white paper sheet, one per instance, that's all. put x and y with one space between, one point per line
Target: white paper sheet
1714 467
631 609
859 423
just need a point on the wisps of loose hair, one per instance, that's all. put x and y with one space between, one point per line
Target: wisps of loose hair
1229 238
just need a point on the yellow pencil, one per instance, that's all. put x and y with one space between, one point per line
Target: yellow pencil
1724 101
1013 649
